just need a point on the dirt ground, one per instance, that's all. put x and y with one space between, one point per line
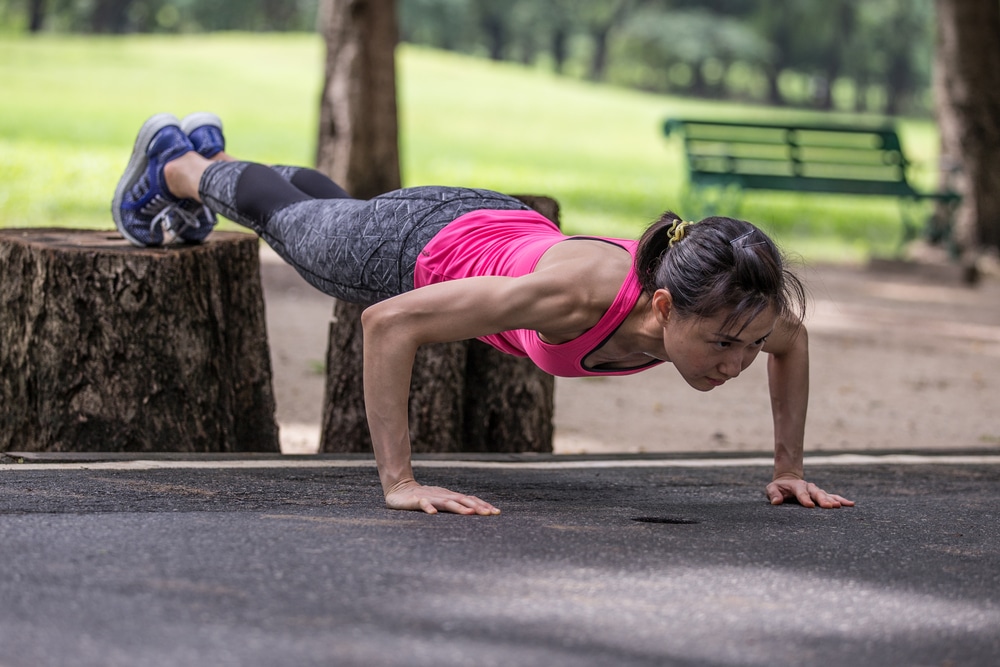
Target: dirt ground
902 357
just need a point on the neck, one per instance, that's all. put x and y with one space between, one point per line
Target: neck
642 332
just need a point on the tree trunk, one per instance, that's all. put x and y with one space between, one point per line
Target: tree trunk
109 347
968 108
464 397
358 134
951 178
36 15
509 403
559 48
436 390
110 16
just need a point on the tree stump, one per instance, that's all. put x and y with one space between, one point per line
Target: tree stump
464 396
108 347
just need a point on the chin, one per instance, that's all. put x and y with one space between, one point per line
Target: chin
701 385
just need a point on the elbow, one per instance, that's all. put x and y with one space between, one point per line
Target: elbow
376 322
369 317
379 316
386 326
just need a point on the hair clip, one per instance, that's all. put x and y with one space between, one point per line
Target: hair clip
736 242
676 231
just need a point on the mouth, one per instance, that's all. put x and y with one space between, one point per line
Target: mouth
715 383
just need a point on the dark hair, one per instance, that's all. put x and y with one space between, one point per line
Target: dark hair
720 264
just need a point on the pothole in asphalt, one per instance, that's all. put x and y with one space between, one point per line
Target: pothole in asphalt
665 519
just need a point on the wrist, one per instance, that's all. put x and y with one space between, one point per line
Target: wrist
787 474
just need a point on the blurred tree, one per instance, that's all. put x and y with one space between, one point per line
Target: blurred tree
444 24
110 16
600 19
968 109
493 19
774 51
358 134
687 49
36 15
900 32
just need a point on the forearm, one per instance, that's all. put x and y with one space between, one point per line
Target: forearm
388 365
788 379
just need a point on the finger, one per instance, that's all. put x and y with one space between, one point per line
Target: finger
480 506
843 501
822 498
774 494
828 502
804 495
427 505
459 504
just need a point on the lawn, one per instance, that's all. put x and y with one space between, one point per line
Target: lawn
71 107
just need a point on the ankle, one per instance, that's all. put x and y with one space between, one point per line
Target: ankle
178 175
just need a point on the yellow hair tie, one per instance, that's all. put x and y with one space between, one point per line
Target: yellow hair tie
676 231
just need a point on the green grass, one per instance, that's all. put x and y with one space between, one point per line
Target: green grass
72 106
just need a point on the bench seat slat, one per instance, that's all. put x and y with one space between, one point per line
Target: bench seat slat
811 157
805 184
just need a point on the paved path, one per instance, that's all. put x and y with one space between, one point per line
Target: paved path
627 561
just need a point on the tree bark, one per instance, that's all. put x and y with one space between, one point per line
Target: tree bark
464 397
358 134
109 347
968 109
436 390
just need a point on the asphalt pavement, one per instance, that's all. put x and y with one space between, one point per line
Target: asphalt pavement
670 560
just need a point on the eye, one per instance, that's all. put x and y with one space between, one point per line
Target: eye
722 344
760 342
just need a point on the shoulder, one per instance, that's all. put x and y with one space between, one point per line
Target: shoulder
583 278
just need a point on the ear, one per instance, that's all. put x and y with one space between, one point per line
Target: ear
662 303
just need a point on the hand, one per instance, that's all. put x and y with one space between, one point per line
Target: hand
409 495
805 493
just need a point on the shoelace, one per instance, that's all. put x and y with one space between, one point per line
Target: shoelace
174 219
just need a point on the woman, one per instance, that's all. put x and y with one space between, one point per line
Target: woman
447 264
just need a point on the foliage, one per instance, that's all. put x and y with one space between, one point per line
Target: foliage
169 16
834 54
72 105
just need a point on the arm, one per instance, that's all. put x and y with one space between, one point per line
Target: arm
450 311
788 381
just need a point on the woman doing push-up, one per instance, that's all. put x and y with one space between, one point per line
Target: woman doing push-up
439 264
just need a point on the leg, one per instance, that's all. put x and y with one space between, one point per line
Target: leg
315 184
360 251
205 132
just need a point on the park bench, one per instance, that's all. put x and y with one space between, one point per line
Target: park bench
730 157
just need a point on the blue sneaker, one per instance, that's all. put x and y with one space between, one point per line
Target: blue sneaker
204 129
205 132
144 211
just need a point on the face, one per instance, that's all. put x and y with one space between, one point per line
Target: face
705 355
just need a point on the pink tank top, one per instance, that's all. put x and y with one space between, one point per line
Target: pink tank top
510 243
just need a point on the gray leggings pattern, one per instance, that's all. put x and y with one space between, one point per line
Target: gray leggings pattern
361 251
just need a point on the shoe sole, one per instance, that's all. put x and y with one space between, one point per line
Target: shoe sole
193 121
137 165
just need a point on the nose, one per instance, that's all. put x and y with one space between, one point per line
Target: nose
731 366
736 362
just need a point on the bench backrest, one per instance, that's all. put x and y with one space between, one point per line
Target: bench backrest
786 156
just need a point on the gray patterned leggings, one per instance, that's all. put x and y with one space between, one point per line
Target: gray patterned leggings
356 250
